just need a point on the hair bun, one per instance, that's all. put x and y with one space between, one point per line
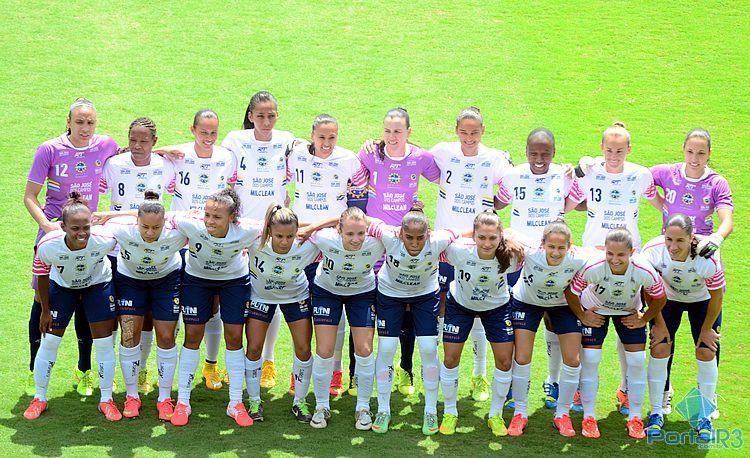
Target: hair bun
473 108
150 195
619 124
75 195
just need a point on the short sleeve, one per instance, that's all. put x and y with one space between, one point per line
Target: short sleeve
503 193
576 192
646 183
722 194
41 165
40 267
657 174
430 170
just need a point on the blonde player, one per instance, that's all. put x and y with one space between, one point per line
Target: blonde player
469 172
537 191
694 284
610 289
71 270
261 152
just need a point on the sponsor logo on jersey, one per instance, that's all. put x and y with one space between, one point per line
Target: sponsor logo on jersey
322 311
519 316
451 328
98 163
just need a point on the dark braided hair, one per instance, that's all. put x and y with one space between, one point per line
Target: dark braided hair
146 122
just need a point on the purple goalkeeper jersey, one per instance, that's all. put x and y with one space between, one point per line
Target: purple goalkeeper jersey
696 198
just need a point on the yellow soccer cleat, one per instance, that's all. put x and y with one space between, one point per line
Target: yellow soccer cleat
212 376
268 375
144 385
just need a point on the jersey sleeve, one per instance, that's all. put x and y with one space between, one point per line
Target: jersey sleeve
444 238
40 267
657 174
503 193
653 284
501 167
453 254
579 283
382 231
722 195
646 183
576 192
360 174
233 164
717 280
430 170
41 165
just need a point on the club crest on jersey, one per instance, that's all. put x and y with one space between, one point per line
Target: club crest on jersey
539 192
80 267
394 178
316 176
203 178
216 251
262 161
467 178
413 176
687 199
140 187
147 261
614 194
80 167
98 163
348 266
484 279
549 283
277 269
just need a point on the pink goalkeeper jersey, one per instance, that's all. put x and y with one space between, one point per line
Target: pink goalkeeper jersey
696 198
393 182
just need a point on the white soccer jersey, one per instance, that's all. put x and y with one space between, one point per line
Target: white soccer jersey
479 284
214 258
321 184
196 178
146 261
616 294
686 281
402 274
75 269
612 200
536 200
342 271
544 285
261 169
466 183
280 278
128 181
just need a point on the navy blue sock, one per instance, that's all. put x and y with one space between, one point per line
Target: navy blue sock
83 333
407 339
35 336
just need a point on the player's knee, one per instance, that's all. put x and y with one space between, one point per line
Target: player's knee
704 354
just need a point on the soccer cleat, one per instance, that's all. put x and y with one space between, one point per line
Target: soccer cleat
590 428
301 412
337 384
291 384
30 387
363 420
181 414
35 409
240 415
497 425
509 404
144 385
255 409
212 376
132 407
517 425
564 426
480 388
448 426
268 375
623 403
320 418
551 392
429 424
405 382
635 428
705 430
84 382
655 425
382 420
110 410
165 409
577 405
666 402
352 386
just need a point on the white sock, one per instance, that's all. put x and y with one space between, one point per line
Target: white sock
338 350
479 345
166 361
105 358
554 357
384 371
44 362
569 378
521 381
623 366
441 321
130 363
322 371
430 371
657 377
708 376
449 382
235 361
252 378
636 381
589 384
212 337
115 340
186 373
272 335
147 341
501 381
364 373
302 371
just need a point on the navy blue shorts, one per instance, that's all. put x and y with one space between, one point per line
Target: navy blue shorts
310 272
528 316
327 308
160 296
198 299
98 301
594 337
513 278
459 320
672 313
293 311
445 276
424 310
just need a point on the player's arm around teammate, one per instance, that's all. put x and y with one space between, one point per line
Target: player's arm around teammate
71 271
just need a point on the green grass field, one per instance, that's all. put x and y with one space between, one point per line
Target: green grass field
574 67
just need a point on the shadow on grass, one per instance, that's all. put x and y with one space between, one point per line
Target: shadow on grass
72 423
